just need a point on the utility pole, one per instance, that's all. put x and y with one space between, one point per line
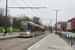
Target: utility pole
6 16
56 18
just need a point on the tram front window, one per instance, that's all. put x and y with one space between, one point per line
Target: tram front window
24 28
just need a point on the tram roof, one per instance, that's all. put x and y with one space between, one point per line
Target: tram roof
33 24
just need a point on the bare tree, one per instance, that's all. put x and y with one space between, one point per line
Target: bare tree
1 12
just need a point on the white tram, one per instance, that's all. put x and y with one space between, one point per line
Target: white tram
30 29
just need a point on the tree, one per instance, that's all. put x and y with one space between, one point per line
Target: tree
36 20
17 19
1 12
1 16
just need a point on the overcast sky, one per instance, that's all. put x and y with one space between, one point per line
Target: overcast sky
67 6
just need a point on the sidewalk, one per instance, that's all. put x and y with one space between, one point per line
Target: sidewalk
9 36
51 42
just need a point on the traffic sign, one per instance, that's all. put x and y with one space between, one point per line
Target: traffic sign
11 20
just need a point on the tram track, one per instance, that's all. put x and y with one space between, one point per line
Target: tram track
11 42
19 43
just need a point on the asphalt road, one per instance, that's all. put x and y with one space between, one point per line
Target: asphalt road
20 43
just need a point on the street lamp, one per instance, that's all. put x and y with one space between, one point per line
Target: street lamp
56 17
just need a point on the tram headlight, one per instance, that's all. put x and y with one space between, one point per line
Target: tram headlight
27 32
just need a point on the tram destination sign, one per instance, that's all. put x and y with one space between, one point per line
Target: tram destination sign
23 23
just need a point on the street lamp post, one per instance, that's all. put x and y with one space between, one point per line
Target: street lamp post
56 18
56 21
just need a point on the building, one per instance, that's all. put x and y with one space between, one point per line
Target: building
68 27
55 26
73 24
58 25
63 26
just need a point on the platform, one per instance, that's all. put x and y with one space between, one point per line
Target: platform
9 35
51 42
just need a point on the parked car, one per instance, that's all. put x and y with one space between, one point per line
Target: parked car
69 34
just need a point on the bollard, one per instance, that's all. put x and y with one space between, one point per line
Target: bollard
68 39
60 34
64 36
55 32
71 41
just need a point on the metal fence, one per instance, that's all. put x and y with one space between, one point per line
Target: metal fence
69 40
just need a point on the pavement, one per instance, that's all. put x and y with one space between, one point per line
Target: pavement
51 42
9 35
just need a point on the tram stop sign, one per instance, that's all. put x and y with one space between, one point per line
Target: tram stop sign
11 20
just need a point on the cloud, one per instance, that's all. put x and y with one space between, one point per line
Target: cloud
0 0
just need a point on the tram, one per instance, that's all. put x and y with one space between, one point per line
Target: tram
30 29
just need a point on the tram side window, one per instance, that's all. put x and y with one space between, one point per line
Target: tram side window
43 30
35 28
31 28
38 29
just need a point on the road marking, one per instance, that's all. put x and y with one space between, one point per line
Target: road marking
37 43
41 41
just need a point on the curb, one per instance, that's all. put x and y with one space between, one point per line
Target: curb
8 37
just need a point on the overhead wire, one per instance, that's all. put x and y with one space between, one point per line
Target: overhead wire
38 9
35 5
15 2
19 5
33 2
29 12
29 6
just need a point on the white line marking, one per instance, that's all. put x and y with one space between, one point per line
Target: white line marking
41 41
37 43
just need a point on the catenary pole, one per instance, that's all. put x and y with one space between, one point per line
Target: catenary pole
6 16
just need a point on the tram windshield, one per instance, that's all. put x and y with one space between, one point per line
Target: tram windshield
24 28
